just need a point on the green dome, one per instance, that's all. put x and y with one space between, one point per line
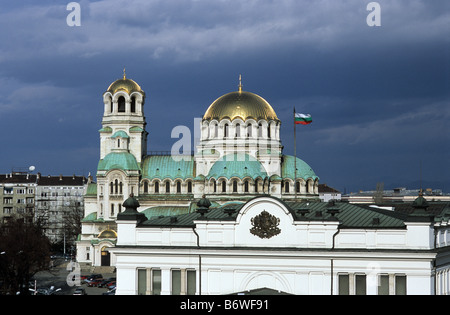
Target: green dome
303 169
237 165
118 160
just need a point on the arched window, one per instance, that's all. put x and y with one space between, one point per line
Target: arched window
268 131
249 130
111 105
120 188
260 130
112 209
111 185
121 103
215 186
116 186
297 187
286 187
225 131
156 187
189 187
235 186
224 186
178 187
216 130
167 187
133 104
256 185
145 187
246 186
238 131
120 208
118 143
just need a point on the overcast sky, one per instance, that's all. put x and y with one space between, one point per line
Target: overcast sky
379 96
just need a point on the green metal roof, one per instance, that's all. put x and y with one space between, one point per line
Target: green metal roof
121 134
136 129
164 211
166 166
237 165
92 218
106 129
303 169
91 189
349 215
118 160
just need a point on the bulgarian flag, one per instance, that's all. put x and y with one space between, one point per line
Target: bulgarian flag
302 119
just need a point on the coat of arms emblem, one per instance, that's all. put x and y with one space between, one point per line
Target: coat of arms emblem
265 225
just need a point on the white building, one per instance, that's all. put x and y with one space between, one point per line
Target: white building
239 157
297 248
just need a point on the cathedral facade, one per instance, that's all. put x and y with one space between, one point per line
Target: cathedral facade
239 157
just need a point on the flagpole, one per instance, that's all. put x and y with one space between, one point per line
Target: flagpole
295 158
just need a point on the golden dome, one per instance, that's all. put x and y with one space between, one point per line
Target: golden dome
107 234
124 84
240 104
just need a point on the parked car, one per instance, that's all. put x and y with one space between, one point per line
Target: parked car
94 283
111 285
93 277
110 292
105 283
79 291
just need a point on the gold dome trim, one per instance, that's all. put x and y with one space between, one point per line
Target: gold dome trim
124 84
108 233
240 104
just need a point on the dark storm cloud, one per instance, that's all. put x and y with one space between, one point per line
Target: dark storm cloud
376 93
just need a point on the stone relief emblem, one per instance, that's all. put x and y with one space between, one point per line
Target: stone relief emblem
265 225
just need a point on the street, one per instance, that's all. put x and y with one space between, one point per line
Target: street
57 277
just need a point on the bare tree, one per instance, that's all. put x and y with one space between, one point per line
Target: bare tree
24 250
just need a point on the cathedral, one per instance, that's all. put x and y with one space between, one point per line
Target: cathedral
239 157
240 217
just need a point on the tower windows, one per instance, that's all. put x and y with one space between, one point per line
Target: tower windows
238 131
121 103
189 187
156 187
116 187
133 104
178 187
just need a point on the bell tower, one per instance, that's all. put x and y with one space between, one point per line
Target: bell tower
123 123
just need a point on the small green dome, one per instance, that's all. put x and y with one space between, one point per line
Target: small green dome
303 169
118 160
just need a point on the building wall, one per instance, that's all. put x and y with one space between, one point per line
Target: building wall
295 272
